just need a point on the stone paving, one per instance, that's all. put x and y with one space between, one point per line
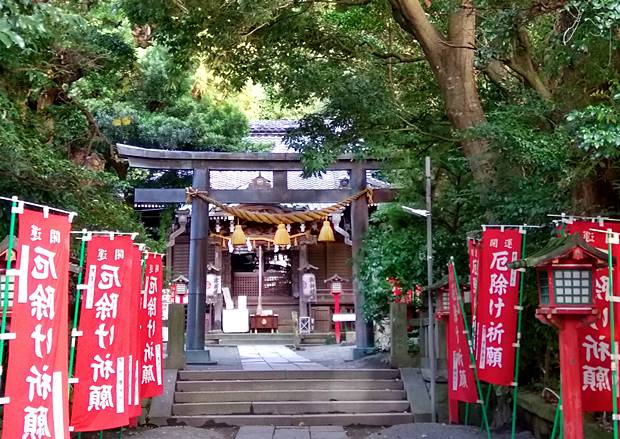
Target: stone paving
274 357
270 432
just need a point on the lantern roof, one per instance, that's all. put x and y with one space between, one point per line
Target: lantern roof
180 279
558 248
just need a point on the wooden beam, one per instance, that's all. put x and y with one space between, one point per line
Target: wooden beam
260 196
230 161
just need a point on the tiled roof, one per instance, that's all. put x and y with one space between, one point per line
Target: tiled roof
271 127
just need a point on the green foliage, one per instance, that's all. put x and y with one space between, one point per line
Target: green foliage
35 172
597 130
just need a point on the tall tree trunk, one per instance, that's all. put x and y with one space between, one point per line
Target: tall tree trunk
452 60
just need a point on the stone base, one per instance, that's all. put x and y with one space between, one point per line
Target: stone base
199 357
362 352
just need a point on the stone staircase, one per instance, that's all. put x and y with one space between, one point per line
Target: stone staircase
263 338
290 397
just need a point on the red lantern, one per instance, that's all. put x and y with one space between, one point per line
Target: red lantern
565 275
335 288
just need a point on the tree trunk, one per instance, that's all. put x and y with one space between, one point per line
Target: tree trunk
452 62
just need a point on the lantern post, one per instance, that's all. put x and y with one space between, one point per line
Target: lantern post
565 273
429 274
335 288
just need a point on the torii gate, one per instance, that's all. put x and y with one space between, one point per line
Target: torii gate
201 163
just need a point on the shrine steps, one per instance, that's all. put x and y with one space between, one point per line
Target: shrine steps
290 397
235 339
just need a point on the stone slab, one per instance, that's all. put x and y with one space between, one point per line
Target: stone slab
161 406
291 433
417 394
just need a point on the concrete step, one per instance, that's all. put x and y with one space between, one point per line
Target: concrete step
382 419
289 407
328 374
289 341
300 385
248 335
290 395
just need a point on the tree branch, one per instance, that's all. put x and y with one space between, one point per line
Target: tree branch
522 63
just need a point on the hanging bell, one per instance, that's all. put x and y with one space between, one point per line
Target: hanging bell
326 234
282 237
238 237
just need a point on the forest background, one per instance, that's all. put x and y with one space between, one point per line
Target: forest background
516 101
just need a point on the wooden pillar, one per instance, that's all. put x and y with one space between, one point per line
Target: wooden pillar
570 375
198 247
364 335
303 262
217 305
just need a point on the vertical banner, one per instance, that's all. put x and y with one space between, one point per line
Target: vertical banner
37 379
498 297
461 382
594 340
100 397
151 328
135 353
473 249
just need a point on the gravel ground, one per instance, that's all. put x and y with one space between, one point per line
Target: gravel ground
168 433
434 431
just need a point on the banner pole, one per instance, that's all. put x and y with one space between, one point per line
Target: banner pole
76 311
466 413
472 360
556 418
518 347
5 290
487 399
612 336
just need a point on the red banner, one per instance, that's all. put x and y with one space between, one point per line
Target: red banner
594 340
100 398
37 380
151 328
498 297
474 250
461 382
133 381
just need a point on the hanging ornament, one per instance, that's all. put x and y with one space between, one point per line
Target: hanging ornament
238 237
282 237
326 234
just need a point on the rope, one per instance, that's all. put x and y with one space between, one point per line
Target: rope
278 218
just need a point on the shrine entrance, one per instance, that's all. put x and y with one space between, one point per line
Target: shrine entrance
265 276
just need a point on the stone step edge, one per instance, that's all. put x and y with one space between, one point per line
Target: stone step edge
311 380
331 402
375 419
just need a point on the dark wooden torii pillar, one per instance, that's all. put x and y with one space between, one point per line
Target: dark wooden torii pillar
279 163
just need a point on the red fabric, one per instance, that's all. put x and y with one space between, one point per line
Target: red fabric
151 348
100 398
498 294
133 381
461 382
594 340
474 251
37 379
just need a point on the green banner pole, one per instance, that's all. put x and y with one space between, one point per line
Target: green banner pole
5 288
76 311
557 418
472 360
466 413
515 383
612 335
487 399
